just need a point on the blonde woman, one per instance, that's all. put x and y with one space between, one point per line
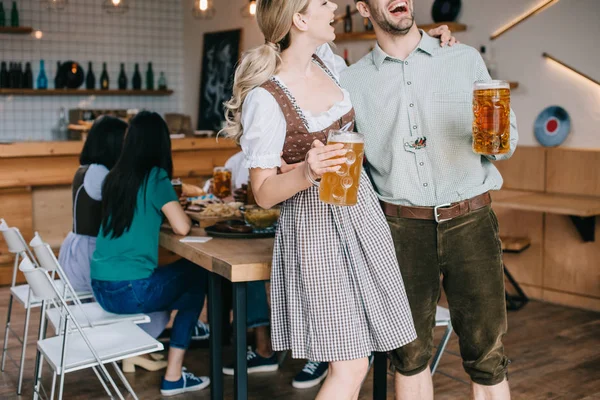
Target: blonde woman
336 290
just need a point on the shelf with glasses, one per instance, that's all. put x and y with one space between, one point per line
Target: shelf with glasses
83 92
16 30
370 35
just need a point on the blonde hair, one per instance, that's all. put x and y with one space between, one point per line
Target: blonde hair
260 63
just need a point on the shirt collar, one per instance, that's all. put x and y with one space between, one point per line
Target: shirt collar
427 44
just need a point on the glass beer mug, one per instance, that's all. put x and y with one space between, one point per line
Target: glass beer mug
340 188
491 117
221 182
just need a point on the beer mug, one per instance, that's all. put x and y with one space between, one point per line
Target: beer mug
491 117
221 182
178 186
340 188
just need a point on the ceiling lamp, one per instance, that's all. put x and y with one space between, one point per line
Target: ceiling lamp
203 9
55 5
249 11
115 6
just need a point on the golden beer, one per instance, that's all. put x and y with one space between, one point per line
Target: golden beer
340 188
491 117
221 182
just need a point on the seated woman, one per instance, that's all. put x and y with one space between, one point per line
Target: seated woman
137 195
99 155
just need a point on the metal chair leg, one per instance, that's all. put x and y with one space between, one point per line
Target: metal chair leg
125 381
441 348
53 390
24 347
6 330
102 382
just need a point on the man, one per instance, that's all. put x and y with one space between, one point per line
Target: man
413 102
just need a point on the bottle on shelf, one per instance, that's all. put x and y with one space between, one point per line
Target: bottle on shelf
2 15
14 15
59 81
122 78
149 77
3 76
346 59
90 79
42 80
489 61
28 77
162 81
61 129
136 81
368 24
348 20
104 78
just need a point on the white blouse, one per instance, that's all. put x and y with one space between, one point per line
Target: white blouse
264 125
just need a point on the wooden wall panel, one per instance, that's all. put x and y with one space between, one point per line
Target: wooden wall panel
525 170
15 208
570 265
573 172
527 266
188 164
52 213
42 171
571 300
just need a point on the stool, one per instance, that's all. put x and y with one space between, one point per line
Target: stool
514 245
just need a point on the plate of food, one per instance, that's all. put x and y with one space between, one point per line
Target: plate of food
237 229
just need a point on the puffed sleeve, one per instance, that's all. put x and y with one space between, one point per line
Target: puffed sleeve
264 129
335 63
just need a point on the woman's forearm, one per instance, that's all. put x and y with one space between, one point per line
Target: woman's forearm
272 188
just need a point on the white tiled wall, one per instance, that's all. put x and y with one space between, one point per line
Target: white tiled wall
151 31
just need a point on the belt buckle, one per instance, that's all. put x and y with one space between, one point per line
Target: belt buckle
437 216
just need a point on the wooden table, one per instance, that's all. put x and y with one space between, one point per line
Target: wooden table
239 261
582 209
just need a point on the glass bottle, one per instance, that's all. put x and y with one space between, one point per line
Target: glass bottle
162 81
90 79
28 77
42 80
3 76
136 81
2 15
14 15
348 20
104 82
122 78
149 77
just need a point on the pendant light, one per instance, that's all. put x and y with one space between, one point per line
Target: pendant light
249 10
116 6
203 9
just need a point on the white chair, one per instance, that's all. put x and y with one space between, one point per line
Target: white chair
77 348
88 314
21 293
442 318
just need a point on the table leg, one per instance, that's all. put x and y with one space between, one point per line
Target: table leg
239 323
215 318
380 376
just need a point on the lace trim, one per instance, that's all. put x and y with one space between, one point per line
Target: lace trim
263 161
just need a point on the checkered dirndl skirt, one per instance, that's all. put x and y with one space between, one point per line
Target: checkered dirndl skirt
336 289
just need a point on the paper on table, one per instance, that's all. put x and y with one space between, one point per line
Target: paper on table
195 239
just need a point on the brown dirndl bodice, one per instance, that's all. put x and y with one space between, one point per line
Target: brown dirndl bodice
298 139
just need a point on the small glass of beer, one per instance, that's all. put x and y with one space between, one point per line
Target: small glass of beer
491 117
221 182
177 185
340 188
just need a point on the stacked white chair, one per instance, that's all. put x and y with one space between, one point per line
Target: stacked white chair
76 348
20 293
442 318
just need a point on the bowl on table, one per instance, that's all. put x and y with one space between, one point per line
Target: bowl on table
258 217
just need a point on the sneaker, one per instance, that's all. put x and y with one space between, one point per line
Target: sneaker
311 375
256 363
187 383
201 331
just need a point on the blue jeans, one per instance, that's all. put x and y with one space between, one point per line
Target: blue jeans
257 309
178 286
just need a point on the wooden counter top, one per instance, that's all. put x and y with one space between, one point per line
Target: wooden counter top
70 148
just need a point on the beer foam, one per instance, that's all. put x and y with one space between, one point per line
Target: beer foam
350 137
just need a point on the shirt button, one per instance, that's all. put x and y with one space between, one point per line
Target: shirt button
414 127
408 83
421 164
425 184
405 62
406 143
412 104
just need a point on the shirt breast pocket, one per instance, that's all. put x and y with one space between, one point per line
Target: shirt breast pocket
452 113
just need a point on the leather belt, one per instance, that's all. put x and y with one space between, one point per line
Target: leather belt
441 213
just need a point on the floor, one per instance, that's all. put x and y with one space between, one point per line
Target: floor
555 354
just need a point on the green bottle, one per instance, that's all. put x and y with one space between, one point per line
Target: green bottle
149 77
2 15
14 15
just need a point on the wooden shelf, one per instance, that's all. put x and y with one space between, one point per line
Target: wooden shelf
580 206
19 30
370 35
83 92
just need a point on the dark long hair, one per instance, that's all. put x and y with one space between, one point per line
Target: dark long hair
147 146
104 142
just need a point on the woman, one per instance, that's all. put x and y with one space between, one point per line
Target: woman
137 195
336 290
100 153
